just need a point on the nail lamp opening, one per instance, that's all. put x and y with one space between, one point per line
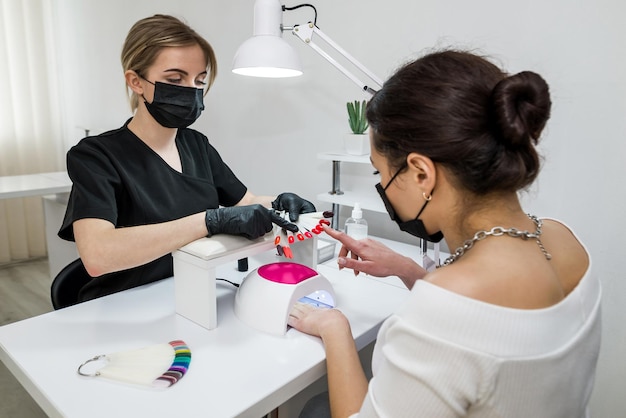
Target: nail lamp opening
267 295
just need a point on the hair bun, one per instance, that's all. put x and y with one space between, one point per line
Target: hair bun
521 107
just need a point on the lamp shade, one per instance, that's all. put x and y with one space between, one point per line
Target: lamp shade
267 56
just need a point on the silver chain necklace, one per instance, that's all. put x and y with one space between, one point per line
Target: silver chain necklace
498 231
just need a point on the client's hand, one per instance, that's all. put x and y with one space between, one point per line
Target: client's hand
293 204
319 322
250 221
374 258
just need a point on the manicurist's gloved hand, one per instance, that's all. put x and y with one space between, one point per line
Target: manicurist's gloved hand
250 221
293 204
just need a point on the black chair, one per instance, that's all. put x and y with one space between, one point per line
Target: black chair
67 284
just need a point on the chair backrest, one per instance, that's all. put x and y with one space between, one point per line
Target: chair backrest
66 285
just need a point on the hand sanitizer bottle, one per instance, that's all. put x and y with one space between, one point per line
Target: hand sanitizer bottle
356 226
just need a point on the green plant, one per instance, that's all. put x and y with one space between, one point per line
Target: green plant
356 116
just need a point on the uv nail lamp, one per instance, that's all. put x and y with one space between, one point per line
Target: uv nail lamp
267 295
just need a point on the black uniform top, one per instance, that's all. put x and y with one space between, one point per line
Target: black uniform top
117 177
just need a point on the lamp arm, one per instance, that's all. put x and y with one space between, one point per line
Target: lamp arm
305 33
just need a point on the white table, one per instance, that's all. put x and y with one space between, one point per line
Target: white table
235 370
34 184
54 188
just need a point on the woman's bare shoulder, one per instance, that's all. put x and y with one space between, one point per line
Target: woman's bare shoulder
515 273
570 258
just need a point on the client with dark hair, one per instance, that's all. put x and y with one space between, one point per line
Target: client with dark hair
509 325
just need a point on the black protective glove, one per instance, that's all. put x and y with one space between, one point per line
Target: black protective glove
250 221
293 204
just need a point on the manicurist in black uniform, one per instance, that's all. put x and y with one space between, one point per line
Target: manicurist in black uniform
148 188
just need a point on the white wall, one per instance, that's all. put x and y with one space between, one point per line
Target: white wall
270 130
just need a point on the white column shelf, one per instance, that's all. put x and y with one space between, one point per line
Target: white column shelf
337 196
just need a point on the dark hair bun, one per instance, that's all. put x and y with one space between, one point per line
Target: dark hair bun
521 107
466 114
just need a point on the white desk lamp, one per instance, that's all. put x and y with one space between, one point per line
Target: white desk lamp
266 54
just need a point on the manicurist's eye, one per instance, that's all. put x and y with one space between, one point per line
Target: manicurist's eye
174 80
376 172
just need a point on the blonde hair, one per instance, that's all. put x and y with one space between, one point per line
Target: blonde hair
150 35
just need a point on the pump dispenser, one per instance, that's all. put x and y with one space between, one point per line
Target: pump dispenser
356 226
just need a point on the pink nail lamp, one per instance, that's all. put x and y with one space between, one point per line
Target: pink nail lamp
268 293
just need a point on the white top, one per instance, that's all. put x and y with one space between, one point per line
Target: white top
446 355
357 213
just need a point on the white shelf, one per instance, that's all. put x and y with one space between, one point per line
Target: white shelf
368 201
342 156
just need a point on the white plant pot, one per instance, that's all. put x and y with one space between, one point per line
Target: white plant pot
357 144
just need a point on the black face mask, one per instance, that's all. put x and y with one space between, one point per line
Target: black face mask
414 227
175 106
